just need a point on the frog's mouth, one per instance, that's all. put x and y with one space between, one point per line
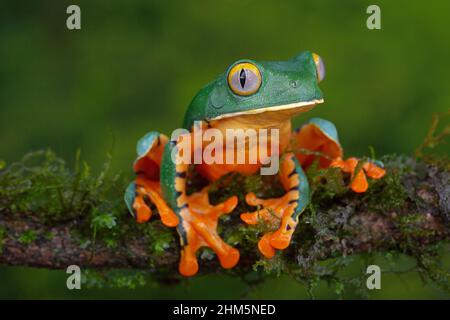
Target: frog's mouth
288 110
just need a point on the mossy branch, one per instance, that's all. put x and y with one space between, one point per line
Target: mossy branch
53 217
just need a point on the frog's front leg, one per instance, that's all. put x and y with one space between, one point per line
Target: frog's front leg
160 182
318 140
282 213
144 193
198 218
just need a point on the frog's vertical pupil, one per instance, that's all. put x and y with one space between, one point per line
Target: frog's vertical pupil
242 78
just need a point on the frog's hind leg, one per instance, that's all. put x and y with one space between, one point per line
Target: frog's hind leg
144 194
198 218
280 214
318 140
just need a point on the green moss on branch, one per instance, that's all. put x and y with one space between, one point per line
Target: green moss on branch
52 216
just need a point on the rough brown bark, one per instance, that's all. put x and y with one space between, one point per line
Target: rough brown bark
364 231
64 248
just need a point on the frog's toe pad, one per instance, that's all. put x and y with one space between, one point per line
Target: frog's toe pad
188 264
264 246
230 258
280 239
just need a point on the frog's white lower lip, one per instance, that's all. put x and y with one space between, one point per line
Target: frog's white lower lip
294 105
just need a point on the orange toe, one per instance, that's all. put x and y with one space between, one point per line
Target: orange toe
350 164
374 171
168 216
280 239
229 260
170 220
252 199
265 248
188 263
230 204
250 218
143 212
359 183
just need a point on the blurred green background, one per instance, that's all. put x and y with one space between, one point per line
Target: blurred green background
135 65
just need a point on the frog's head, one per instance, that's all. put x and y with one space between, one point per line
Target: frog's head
251 87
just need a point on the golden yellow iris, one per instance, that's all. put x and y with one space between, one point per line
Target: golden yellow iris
236 71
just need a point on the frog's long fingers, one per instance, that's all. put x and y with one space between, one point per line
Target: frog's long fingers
297 198
168 217
253 200
202 220
226 207
359 182
281 213
141 195
199 203
141 206
151 191
228 256
269 211
255 217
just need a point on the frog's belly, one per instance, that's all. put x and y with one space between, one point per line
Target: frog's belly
213 172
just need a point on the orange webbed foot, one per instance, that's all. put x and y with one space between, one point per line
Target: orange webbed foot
359 183
200 220
278 213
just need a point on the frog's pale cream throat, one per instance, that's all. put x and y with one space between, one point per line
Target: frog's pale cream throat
301 106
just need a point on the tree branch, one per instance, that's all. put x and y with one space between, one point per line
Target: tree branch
65 247
402 215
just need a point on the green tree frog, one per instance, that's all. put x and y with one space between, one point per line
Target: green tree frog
258 95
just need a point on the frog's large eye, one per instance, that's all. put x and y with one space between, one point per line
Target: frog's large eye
320 67
244 79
